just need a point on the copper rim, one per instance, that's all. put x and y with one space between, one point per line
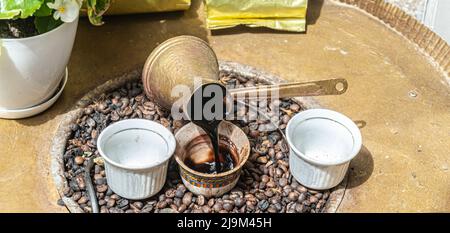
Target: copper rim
219 175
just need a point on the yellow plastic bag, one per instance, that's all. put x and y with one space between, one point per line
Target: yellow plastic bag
289 15
119 7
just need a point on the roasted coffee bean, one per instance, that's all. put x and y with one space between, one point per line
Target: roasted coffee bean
90 122
79 160
268 193
272 209
169 201
295 107
76 196
83 200
217 207
67 191
299 208
187 198
197 211
111 203
181 189
182 208
285 119
313 199
293 196
206 209
313 192
302 197
228 206
211 202
263 205
116 210
271 184
200 200
97 170
271 152
262 159
100 181
279 172
162 197
283 182
290 208
161 204
239 202
279 155
122 203
265 178
80 182
319 195
102 188
326 195
179 193
170 193
98 176
302 189
260 196
104 210
101 202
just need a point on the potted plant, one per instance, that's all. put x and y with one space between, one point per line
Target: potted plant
36 39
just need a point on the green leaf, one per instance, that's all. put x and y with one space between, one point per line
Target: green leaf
22 8
44 10
46 24
9 14
96 9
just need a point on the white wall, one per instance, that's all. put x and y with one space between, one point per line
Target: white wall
437 17
433 13
412 7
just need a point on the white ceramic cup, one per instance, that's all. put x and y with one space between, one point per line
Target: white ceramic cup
136 154
322 143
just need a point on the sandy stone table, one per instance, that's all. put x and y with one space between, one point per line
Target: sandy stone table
396 93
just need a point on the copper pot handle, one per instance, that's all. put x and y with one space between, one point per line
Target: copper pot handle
288 90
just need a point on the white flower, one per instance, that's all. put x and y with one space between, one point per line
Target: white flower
67 10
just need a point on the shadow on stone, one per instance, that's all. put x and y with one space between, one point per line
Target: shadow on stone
361 168
313 12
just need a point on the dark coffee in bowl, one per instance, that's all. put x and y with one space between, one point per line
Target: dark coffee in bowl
200 155
207 108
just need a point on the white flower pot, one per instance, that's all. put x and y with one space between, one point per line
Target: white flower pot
32 68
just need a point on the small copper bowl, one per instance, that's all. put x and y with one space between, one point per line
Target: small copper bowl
204 184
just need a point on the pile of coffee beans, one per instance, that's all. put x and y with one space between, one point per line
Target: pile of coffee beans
265 184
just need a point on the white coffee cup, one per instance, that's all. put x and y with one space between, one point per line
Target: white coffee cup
322 143
136 154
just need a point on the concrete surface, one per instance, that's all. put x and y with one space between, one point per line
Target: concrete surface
404 165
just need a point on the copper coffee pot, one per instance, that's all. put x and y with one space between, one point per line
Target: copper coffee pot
183 59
